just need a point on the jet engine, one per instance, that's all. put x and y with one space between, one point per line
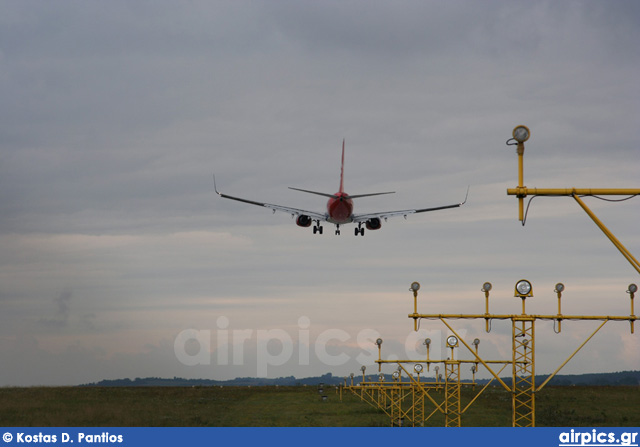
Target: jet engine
374 224
303 221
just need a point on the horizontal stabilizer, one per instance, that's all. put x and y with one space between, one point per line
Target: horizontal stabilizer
324 194
357 196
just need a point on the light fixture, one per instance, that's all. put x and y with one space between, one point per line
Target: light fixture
379 342
476 341
486 287
351 375
559 288
521 134
427 341
452 341
363 369
415 286
380 377
523 289
396 374
632 288
417 368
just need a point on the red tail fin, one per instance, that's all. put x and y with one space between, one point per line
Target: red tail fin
342 170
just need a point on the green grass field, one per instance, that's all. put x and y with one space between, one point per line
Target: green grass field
291 406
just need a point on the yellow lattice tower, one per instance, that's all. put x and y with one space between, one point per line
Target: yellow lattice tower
452 386
417 407
418 393
523 372
397 396
383 400
452 393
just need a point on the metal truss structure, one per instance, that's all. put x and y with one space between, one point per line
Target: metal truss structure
409 402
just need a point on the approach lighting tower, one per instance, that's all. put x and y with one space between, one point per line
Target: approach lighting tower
523 346
520 135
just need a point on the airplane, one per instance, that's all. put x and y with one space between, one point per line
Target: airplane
339 209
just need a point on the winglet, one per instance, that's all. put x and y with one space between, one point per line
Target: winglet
465 197
215 188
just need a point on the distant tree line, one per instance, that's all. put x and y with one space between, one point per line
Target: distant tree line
628 378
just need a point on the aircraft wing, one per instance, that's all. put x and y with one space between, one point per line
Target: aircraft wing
293 211
357 218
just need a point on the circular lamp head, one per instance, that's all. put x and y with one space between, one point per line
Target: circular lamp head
427 341
521 134
415 286
396 374
559 288
523 289
632 288
417 368
452 341
379 342
436 369
486 286
473 369
363 368
351 375
380 377
476 341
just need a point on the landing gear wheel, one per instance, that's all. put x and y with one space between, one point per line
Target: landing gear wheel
359 231
337 230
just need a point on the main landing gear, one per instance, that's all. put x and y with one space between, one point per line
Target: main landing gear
317 229
357 231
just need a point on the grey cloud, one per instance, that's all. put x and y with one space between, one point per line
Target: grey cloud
60 317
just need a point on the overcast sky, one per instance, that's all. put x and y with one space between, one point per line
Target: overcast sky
117 259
